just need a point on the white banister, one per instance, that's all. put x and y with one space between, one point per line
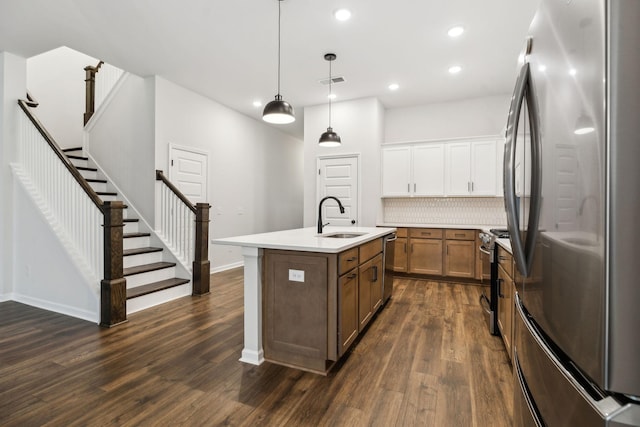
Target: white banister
73 211
176 224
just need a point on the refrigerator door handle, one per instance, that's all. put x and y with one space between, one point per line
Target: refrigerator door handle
523 252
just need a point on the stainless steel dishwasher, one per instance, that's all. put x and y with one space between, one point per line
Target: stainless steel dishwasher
389 253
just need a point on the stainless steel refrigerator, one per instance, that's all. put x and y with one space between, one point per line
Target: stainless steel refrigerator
572 196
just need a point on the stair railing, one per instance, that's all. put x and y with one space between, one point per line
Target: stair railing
91 227
185 229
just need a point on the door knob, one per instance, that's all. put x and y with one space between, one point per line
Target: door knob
353 221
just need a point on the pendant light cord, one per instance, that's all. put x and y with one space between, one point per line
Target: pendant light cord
330 93
279 13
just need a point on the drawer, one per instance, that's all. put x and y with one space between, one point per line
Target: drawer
505 260
370 249
426 233
460 234
347 260
401 232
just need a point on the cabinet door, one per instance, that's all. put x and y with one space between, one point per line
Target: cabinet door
500 168
400 255
425 256
458 178
428 170
376 283
348 313
460 258
364 295
483 168
396 171
505 308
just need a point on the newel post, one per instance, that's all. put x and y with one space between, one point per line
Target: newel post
90 90
113 289
201 264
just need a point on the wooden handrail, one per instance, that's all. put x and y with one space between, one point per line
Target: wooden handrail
58 152
90 90
160 177
31 101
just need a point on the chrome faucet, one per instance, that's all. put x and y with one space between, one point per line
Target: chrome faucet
320 224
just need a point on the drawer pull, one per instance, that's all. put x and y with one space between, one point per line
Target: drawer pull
352 276
353 258
502 258
424 233
460 234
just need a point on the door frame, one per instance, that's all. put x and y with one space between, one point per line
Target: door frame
172 146
358 185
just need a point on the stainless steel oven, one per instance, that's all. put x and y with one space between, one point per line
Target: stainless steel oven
489 297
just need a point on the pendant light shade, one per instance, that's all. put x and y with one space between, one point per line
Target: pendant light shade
329 138
278 111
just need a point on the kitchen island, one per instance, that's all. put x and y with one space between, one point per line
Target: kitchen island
307 296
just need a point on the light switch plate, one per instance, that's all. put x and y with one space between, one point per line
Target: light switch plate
296 275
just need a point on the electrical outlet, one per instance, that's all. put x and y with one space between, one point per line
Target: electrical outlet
296 275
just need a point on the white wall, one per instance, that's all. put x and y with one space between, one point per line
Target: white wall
466 118
12 87
56 80
121 141
360 124
255 181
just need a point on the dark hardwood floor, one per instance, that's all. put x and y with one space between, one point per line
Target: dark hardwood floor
427 360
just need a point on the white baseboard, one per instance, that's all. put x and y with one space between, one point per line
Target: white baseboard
226 267
58 308
5 297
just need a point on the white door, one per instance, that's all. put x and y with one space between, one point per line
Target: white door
338 177
188 172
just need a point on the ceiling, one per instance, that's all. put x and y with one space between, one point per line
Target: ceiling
227 51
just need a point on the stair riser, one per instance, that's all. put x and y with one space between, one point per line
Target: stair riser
130 227
88 174
150 277
135 242
107 198
156 298
78 162
149 258
98 186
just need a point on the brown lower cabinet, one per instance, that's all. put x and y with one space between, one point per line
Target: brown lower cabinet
506 293
308 323
437 252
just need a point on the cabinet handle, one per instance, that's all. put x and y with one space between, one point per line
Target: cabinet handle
405 248
414 187
472 187
468 186
375 274
351 259
412 248
408 188
459 234
425 233
500 294
352 276
502 258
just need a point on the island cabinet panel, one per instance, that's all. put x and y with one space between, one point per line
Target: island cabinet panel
297 309
400 258
370 290
348 310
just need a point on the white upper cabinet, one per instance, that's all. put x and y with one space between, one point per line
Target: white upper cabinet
413 170
472 168
455 168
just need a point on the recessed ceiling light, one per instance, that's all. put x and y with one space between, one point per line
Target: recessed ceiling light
394 86
342 14
573 72
257 103
542 68
331 96
455 69
455 31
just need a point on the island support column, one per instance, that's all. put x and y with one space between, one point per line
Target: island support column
252 352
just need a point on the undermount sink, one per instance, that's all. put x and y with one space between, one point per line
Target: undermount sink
580 241
343 235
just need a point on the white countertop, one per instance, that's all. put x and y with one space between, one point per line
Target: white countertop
307 239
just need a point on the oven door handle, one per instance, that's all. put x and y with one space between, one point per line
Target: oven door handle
483 250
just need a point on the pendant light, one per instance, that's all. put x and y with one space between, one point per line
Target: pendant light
278 111
329 138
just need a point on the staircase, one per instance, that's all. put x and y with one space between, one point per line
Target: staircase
150 278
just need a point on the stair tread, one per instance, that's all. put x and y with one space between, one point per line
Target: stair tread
72 156
66 150
106 193
104 181
132 235
138 251
85 168
154 287
138 269
130 219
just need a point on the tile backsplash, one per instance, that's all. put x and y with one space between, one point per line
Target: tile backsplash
445 210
